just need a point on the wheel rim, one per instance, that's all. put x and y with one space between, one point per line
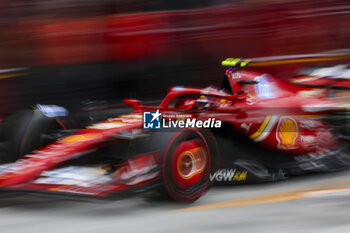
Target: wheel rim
190 161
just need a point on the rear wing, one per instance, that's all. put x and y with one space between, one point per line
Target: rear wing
334 55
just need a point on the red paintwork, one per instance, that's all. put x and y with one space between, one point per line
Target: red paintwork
247 110
310 81
60 151
249 30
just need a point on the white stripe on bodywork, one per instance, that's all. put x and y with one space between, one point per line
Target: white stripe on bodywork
267 130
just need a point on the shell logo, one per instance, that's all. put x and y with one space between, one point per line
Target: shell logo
287 132
79 138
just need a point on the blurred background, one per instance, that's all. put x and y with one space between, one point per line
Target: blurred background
69 51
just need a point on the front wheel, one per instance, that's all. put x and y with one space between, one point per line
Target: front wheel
187 159
24 131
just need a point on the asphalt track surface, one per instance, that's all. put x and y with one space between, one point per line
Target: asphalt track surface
312 203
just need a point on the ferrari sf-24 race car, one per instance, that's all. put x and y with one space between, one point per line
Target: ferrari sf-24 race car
260 129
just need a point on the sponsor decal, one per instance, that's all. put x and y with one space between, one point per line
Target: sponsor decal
228 175
236 75
286 133
155 120
79 138
192 123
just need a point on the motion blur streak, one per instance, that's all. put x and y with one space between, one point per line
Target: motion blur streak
284 104
100 50
268 198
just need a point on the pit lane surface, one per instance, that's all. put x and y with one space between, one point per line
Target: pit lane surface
313 203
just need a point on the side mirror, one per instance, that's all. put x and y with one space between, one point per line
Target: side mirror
135 104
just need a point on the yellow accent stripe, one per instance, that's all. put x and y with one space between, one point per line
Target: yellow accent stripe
262 128
315 115
256 200
267 198
3 76
60 187
131 117
304 79
301 60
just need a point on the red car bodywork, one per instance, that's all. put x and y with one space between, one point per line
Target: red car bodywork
255 105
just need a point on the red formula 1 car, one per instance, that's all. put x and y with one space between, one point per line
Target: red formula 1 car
253 128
